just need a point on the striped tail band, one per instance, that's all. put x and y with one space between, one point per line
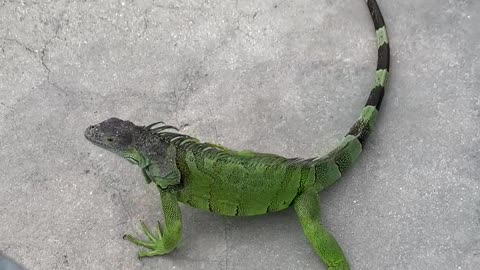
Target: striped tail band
365 123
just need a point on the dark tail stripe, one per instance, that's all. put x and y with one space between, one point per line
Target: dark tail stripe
376 96
383 61
376 14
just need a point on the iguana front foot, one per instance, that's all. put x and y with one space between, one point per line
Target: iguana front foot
156 243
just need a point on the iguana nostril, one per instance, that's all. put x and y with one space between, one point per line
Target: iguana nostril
90 132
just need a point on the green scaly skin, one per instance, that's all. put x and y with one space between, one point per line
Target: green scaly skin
240 183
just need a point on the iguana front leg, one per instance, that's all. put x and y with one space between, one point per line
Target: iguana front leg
161 243
308 211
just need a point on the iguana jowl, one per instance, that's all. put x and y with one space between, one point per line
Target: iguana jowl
240 183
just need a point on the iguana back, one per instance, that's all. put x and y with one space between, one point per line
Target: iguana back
240 183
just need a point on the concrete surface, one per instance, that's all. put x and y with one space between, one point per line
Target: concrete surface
287 77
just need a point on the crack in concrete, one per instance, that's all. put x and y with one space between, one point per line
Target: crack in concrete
6 249
10 114
122 203
28 49
6 106
174 7
15 128
477 211
45 49
146 22
214 126
42 53
180 95
181 8
237 27
237 19
109 184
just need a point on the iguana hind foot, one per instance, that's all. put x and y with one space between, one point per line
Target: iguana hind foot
308 212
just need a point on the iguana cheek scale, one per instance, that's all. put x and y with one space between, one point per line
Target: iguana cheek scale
240 183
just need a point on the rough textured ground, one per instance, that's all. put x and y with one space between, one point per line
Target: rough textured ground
287 77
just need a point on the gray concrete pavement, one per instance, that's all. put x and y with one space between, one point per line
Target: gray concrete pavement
287 77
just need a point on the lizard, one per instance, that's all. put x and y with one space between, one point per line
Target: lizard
240 183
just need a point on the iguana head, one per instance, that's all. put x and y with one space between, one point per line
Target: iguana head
117 136
141 145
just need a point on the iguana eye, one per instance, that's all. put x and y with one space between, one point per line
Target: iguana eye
132 160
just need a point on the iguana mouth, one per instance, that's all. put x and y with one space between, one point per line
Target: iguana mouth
92 134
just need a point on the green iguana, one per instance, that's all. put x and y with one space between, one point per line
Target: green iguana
240 183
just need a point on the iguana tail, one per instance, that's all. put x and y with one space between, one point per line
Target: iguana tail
331 167
364 124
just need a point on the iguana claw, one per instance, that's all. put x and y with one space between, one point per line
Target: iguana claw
155 242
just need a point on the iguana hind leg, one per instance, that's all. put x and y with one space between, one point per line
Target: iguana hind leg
161 243
308 211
